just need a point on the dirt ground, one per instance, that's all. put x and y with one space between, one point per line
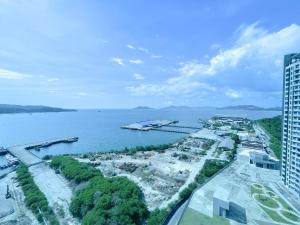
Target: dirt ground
21 215
160 175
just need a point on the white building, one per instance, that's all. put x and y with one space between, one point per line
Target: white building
290 166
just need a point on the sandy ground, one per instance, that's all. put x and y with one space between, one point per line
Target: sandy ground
21 215
57 191
160 175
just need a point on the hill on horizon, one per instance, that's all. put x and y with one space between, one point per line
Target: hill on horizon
7 108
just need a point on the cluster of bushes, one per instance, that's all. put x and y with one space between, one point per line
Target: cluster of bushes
73 170
158 148
273 126
233 152
105 200
208 143
131 151
158 216
210 167
35 199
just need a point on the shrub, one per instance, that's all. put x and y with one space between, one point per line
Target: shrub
118 200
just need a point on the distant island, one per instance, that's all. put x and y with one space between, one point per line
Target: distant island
187 107
143 107
251 107
6 109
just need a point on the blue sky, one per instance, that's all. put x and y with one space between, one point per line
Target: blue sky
121 54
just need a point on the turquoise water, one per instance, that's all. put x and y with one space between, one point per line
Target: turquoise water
100 131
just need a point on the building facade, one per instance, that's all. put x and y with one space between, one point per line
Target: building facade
290 159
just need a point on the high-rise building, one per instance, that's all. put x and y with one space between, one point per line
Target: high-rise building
290 159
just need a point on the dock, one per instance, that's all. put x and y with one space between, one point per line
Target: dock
171 131
52 142
28 158
149 124
187 127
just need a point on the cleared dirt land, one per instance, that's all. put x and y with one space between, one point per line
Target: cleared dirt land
13 211
160 174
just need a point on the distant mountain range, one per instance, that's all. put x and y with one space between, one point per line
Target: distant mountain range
251 107
143 107
187 107
5 108
235 107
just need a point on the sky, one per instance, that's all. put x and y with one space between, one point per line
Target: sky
123 54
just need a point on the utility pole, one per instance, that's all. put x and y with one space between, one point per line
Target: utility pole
8 195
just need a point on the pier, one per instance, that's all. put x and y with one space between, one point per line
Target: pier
28 158
53 142
187 127
3 151
171 131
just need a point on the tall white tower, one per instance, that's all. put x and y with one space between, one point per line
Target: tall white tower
290 158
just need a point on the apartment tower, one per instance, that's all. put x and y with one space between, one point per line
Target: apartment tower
290 159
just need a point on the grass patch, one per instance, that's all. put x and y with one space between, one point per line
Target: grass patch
193 217
290 215
284 204
271 194
257 186
256 190
275 216
266 201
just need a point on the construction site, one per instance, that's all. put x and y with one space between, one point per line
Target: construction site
161 174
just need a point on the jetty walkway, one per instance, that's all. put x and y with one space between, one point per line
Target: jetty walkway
28 158
188 127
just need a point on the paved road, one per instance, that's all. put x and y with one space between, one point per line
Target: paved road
24 155
176 217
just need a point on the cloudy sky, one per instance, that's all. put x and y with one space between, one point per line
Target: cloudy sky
121 54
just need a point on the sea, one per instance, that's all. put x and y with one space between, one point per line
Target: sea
99 130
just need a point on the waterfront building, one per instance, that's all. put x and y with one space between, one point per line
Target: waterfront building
290 159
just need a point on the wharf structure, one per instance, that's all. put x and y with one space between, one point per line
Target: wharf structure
290 159
22 153
157 125
149 124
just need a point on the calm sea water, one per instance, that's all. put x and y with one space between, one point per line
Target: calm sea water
100 131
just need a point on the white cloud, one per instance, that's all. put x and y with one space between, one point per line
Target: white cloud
253 64
12 75
252 42
156 56
119 61
170 87
138 76
143 49
233 93
224 60
136 61
130 46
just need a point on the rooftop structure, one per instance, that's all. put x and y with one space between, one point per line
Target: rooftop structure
252 145
258 157
290 166
228 194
